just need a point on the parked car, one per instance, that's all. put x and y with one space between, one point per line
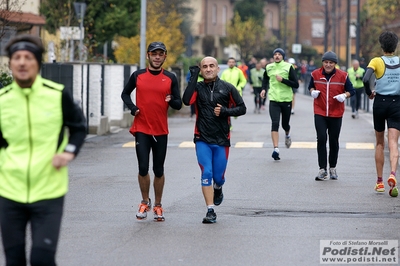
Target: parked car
222 67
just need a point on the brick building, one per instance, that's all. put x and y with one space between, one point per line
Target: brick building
306 21
210 21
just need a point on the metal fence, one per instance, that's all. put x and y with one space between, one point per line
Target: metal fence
97 88
60 73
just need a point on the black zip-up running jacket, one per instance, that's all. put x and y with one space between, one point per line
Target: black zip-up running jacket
210 128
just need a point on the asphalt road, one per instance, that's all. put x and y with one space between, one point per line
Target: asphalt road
274 212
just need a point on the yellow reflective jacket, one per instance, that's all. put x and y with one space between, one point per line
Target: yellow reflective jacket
32 131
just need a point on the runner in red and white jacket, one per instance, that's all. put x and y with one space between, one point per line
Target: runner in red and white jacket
329 87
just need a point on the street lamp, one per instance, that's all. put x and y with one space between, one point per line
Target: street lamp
80 9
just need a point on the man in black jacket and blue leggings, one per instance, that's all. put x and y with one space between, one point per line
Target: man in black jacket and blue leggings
216 101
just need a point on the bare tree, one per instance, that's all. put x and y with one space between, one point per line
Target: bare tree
10 15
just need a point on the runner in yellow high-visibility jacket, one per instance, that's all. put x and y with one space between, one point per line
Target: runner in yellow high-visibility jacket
234 76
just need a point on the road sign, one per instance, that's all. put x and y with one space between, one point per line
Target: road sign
296 48
80 9
70 33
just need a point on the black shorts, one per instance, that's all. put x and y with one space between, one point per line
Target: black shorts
386 108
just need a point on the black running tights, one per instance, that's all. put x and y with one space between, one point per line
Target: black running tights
327 126
45 221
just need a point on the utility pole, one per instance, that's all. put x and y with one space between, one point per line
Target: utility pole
80 9
339 19
83 7
285 24
143 19
358 31
334 21
297 26
348 50
326 27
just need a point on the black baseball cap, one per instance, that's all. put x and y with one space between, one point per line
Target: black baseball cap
156 46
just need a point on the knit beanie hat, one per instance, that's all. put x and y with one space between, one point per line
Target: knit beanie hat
26 42
331 56
279 50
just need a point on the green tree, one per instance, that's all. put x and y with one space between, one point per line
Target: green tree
376 17
58 13
248 35
103 19
162 26
308 52
250 9
266 48
5 78
181 7
106 19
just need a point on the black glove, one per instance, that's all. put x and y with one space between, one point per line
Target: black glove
194 73
194 70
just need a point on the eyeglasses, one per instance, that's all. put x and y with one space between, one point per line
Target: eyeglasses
161 54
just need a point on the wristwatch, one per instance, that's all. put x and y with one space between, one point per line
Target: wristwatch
70 148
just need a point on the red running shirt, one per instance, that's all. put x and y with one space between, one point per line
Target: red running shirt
151 89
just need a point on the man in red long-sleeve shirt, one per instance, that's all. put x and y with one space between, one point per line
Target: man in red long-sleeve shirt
156 90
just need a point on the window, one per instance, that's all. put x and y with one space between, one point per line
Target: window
214 14
270 19
9 32
353 29
317 28
224 20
